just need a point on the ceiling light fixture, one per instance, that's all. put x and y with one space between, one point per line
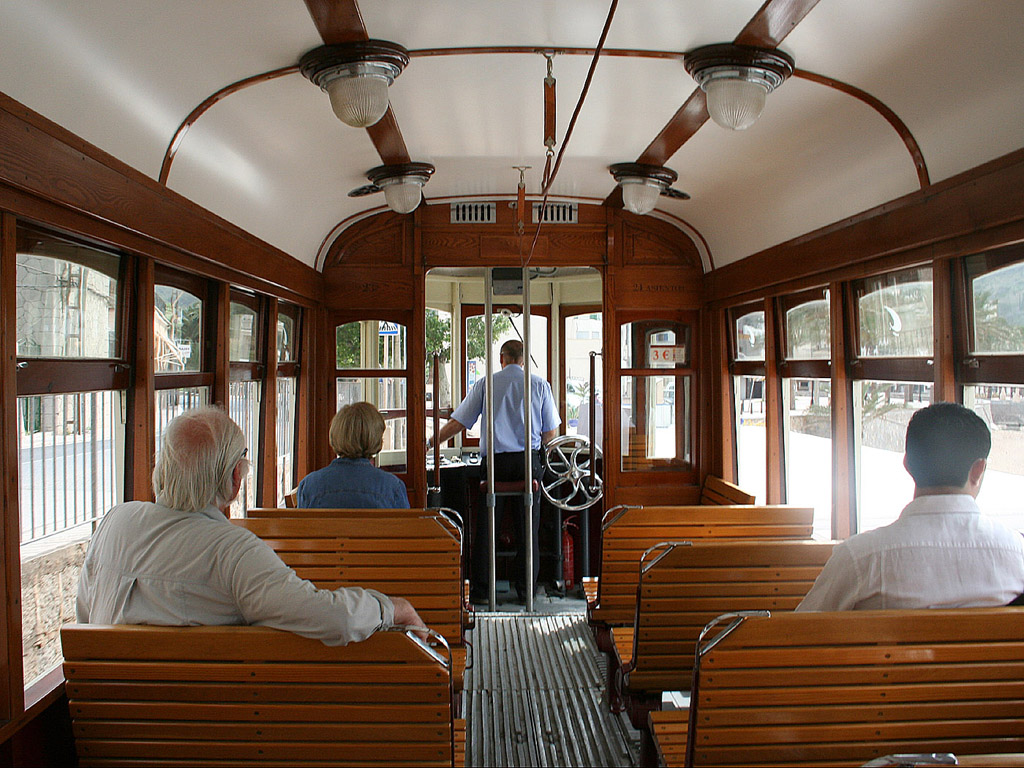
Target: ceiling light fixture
402 184
642 185
736 79
356 76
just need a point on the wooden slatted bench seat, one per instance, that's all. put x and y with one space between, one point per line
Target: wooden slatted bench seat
845 688
418 558
686 585
627 532
716 492
237 696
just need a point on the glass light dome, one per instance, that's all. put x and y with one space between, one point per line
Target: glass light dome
359 99
402 193
640 195
735 103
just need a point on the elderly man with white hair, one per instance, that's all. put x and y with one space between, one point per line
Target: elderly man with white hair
179 561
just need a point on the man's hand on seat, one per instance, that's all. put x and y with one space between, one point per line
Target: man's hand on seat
406 616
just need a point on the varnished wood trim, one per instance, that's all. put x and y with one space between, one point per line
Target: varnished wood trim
916 156
775 481
773 21
11 672
942 327
140 442
205 104
337 21
44 376
267 489
680 129
843 470
220 331
387 138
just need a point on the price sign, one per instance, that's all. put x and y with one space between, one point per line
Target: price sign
666 355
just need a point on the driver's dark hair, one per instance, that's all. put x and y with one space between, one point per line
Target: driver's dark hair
943 442
513 350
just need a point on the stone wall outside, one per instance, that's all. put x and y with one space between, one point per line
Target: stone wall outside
49 587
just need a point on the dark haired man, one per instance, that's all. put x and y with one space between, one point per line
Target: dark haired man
941 552
509 450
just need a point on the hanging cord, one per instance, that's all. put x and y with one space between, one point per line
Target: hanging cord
572 124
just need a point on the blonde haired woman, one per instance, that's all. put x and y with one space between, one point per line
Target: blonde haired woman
351 481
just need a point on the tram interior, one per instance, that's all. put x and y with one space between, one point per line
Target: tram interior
738 306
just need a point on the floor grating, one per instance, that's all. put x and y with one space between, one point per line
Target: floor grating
534 695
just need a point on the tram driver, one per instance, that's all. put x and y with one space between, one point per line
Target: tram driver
941 552
180 562
509 456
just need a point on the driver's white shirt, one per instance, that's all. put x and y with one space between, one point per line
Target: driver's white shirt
508 410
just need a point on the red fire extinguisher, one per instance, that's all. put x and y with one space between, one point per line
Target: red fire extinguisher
568 553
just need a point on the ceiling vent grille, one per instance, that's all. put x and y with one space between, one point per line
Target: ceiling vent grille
557 213
474 213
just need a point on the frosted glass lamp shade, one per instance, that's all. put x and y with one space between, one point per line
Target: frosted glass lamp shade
403 194
640 195
735 103
359 100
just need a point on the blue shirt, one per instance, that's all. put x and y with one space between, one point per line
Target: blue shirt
351 484
508 410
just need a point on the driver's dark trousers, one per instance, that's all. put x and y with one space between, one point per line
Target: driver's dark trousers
507 467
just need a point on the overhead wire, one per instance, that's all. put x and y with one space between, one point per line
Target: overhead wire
568 133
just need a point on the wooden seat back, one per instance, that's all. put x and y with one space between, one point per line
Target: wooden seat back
628 532
685 586
450 514
419 558
802 688
170 696
717 491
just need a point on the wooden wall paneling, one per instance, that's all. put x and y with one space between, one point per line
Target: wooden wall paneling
11 672
843 470
41 158
313 376
221 314
140 441
943 352
775 487
377 288
326 392
416 365
723 421
267 491
978 209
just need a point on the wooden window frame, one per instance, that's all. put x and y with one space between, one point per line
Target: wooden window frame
574 310
983 367
207 291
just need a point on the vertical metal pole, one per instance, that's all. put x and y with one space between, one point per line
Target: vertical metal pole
527 441
492 598
585 514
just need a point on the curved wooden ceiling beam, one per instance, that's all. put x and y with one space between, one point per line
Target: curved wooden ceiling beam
768 27
209 101
879 106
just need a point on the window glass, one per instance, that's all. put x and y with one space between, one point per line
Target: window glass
656 422
71 456
287 402
242 333
807 330
895 314
655 344
1002 408
244 410
177 330
172 402
997 307
287 329
882 412
808 438
355 344
505 326
389 394
751 437
749 329
582 336
66 299
439 341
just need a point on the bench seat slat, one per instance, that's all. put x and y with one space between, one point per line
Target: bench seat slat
883 713
352 674
263 712
262 752
226 730
312 693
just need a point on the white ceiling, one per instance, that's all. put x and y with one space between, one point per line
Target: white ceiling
274 160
